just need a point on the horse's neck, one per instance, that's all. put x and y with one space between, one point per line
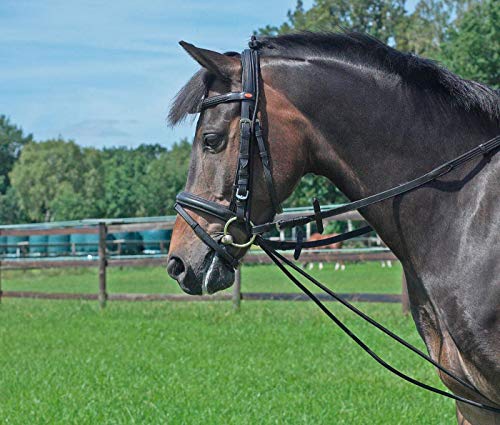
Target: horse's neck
373 132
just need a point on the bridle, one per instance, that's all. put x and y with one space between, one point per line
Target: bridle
238 211
250 130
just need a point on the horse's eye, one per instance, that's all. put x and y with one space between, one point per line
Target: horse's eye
212 140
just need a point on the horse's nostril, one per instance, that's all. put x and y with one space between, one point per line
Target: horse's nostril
175 267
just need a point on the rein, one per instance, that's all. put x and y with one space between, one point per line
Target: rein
239 212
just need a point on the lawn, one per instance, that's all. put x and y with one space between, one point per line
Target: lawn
361 277
68 362
201 363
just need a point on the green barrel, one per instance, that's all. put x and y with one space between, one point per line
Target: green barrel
3 242
91 243
154 240
77 241
38 244
110 246
131 242
13 241
58 245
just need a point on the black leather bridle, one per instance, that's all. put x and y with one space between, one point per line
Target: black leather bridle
239 211
250 131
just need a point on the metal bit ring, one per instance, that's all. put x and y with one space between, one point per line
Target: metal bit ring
227 238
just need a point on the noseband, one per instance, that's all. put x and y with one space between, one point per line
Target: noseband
239 212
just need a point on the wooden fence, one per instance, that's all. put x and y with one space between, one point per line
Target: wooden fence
104 260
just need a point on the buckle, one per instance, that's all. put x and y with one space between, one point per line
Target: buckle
242 197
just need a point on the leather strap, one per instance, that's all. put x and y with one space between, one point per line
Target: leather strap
299 244
286 245
242 190
197 203
226 97
317 216
483 149
266 166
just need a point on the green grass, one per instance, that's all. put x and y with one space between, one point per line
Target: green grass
361 277
67 362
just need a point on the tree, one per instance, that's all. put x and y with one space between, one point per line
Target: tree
472 48
313 186
424 31
93 190
462 33
47 174
12 140
10 212
380 18
166 177
125 173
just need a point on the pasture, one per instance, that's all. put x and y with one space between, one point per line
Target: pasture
362 277
203 363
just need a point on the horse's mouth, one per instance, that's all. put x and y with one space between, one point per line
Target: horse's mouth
217 276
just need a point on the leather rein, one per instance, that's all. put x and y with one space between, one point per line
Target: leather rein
239 212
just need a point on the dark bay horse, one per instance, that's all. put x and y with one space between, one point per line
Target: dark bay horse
367 117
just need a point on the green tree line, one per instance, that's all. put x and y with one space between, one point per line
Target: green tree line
59 180
464 35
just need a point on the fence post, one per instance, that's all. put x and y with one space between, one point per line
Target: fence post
1 256
103 296
308 230
1 292
405 301
237 288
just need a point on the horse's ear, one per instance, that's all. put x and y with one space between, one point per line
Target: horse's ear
225 67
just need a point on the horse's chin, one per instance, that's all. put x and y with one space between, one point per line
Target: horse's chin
217 277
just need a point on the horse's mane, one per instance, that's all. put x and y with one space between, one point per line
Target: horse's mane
362 49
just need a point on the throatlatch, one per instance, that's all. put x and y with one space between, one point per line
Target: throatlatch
239 212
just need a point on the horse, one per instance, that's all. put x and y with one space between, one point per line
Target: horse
339 264
368 117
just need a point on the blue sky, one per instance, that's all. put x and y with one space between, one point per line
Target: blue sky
103 73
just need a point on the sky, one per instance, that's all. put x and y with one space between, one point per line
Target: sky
103 73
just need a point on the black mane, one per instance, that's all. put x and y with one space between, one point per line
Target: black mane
358 48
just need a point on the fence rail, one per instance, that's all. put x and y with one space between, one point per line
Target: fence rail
103 259
247 296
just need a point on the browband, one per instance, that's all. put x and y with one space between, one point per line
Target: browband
224 98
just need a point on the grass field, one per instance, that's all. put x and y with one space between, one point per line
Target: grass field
363 277
67 362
